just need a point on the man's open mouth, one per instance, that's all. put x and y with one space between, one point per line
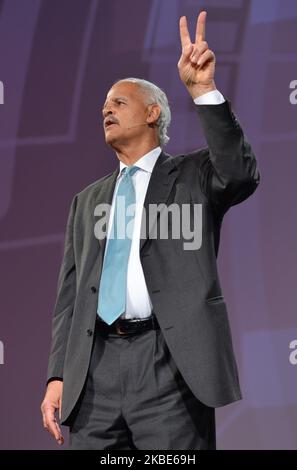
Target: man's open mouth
109 122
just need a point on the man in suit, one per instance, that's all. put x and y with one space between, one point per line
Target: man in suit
141 349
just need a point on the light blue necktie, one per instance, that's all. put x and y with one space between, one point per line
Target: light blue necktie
113 282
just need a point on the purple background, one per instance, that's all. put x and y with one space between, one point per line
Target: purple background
58 59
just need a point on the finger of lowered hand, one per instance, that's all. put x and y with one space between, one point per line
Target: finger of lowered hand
50 422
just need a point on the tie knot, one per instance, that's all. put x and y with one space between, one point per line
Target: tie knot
130 170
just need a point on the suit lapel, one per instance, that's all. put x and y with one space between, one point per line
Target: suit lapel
162 179
104 196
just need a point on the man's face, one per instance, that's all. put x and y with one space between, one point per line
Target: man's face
125 114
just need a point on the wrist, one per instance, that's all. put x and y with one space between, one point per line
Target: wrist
54 380
199 90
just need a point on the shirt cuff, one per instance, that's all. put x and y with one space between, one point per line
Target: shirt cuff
211 97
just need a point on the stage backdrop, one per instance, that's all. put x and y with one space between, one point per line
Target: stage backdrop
58 59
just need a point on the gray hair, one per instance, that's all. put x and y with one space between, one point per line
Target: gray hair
155 96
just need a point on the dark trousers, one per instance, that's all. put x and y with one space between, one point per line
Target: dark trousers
135 398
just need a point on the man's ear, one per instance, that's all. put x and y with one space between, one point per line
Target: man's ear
154 112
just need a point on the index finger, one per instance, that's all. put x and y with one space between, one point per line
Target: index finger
200 28
184 32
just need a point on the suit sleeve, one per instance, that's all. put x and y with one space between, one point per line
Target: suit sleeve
63 309
229 174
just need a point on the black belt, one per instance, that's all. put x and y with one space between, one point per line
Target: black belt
124 327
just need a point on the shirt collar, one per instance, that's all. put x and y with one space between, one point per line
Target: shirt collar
146 162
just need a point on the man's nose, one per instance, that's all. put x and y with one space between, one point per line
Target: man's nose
108 109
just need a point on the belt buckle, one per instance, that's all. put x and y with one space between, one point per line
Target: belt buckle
118 330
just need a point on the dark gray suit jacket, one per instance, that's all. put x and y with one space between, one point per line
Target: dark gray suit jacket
183 284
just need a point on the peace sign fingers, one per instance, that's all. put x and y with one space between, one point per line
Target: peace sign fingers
197 62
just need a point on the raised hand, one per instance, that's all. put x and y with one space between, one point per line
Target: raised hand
197 62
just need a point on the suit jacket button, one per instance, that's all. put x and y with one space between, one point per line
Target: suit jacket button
93 289
90 332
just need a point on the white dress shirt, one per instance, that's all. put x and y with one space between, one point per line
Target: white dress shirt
138 302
